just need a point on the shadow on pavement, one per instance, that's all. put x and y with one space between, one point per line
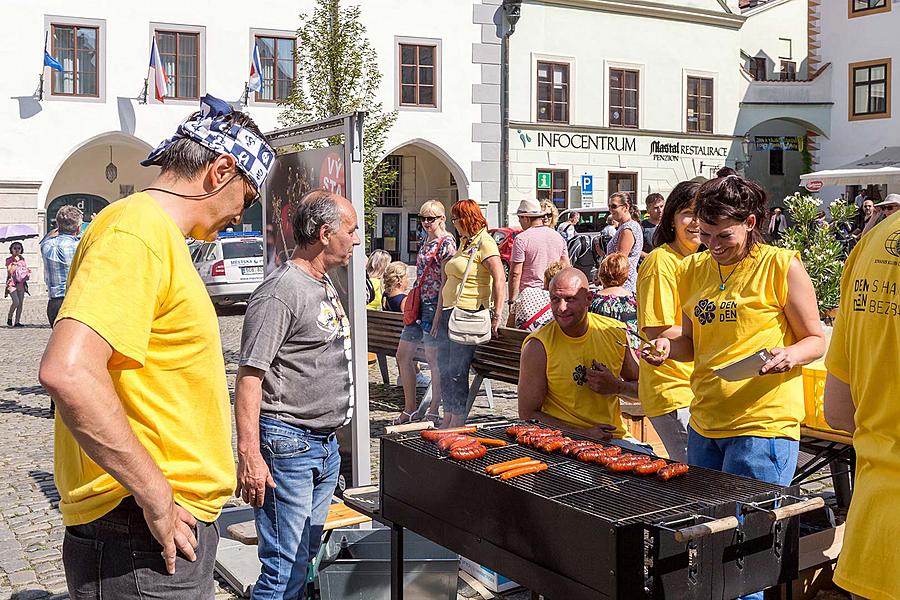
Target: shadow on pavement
44 481
234 309
11 406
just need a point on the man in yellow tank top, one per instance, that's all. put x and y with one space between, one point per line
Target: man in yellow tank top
861 397
574 369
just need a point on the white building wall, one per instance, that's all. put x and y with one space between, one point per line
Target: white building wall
778 31
844 41
664 50
40 136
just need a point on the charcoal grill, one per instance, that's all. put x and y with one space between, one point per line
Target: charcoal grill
579 531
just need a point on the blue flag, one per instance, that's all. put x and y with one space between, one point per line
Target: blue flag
51 62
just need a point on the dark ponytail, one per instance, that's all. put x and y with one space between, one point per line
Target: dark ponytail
681 197
731 197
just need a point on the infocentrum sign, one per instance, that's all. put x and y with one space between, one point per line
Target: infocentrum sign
586 141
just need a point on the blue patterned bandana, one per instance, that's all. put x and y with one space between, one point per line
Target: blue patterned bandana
209 129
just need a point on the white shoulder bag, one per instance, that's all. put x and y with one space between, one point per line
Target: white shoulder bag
469 327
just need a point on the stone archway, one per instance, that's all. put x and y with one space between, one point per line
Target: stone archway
425 172
84 174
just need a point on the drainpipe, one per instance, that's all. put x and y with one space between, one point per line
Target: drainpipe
512 10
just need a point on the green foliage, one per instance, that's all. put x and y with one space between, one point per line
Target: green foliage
822 254
337 73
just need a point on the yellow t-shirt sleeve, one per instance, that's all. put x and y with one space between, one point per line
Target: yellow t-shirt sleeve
658 297
488 249
684 281
785 258
119 304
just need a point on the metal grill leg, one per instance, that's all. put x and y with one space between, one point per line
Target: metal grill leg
473 392
383 367
489 392
396 562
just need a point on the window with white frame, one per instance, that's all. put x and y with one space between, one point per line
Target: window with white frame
277 65
76 48
699 104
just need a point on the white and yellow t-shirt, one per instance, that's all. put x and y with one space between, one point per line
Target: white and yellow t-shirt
478 286
568 396
667 387
731 324
863 354
132 281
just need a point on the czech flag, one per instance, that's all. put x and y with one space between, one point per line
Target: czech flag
255 82
159 74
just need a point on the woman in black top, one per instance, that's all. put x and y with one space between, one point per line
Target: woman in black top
396 286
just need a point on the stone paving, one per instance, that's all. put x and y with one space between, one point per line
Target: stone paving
30 525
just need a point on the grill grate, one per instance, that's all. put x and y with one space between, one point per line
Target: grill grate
613 496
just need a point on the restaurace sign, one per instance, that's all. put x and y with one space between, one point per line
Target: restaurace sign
674 151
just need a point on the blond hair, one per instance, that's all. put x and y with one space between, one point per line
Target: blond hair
394 275
551 216
551 271
432 208
377 263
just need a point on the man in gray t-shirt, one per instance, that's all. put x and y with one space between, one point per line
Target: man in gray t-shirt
293 332
294 388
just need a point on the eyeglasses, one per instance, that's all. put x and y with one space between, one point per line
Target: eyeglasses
615 206
427 219
251 196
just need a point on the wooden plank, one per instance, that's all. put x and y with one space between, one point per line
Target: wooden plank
825 435
339 515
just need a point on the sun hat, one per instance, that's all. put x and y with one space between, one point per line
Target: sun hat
530 208
890 199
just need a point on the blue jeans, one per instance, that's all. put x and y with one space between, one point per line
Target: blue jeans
455 362
305 466
767 459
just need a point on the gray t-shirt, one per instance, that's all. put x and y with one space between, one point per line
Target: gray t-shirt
297 332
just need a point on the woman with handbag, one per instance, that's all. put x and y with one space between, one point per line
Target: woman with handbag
419 310
473 282
17 275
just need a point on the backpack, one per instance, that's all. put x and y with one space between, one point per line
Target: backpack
21 275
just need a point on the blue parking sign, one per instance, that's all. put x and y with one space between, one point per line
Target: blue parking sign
587 184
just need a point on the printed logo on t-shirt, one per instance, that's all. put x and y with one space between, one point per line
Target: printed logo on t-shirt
892 244
706 311
329 322
580 375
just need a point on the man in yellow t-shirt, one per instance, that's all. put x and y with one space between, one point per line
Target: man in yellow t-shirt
573 369
142 449
861 397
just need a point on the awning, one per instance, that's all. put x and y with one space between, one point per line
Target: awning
881 168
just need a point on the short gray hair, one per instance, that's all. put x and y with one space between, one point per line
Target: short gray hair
68 219
316 209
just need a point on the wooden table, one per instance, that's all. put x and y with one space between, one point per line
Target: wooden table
339 515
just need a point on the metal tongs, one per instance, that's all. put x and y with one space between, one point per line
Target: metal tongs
650 348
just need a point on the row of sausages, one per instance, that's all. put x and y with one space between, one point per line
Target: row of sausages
611 457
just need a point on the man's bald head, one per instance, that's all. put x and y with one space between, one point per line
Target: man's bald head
570 300
569 277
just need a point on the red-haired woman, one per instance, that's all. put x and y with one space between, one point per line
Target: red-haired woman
484 287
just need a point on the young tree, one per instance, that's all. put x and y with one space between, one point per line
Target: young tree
337 73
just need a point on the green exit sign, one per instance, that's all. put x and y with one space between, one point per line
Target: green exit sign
543 180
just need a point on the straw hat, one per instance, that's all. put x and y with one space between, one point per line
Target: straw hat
890 199
530 208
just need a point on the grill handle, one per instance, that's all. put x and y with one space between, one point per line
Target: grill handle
686 534
792 510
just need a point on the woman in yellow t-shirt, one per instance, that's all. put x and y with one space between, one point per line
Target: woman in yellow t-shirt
484 287
665 391
376 265
740 297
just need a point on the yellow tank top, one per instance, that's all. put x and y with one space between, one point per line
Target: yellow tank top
568 396
377 285
730 324
667 387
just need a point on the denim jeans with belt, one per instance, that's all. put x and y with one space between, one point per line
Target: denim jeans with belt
116 556
773 460
305 466
455 362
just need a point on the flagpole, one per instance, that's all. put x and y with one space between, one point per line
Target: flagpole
43 68
146 91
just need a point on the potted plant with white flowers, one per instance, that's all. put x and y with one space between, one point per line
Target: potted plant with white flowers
821 250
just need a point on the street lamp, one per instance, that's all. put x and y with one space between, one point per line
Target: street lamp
512 12
111 170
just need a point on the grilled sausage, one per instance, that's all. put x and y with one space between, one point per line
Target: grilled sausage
673 470
494 468
491 441
624 463
589 454
649 468
551 444
523 470
515 430
463 442
570 449
613 450
433 435
468 452
528 463
445 442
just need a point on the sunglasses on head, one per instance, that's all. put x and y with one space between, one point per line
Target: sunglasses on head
428 219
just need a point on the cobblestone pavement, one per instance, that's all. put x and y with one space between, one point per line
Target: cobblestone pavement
30 525
31 528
